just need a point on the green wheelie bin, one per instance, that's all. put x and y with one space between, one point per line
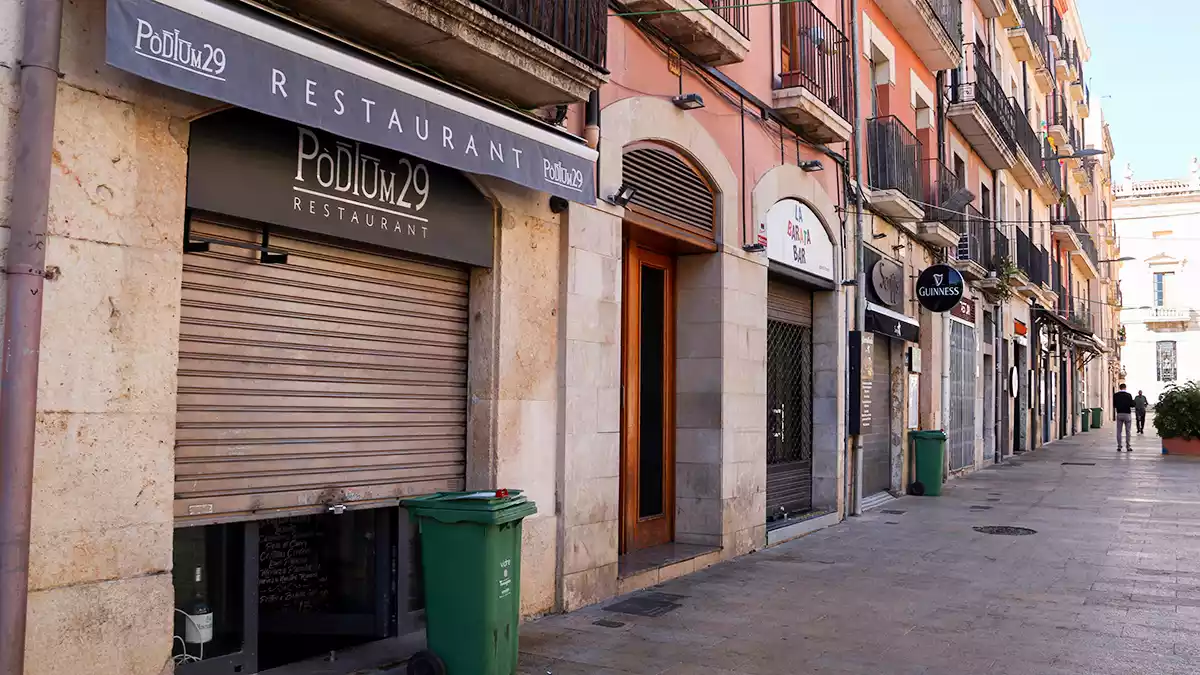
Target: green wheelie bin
1087 420
929 448
1097 417
471 559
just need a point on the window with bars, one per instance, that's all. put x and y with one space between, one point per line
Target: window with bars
1167 364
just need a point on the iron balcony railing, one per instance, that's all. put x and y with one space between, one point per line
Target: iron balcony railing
1040 274
735 12
940 184
1057 107
1054 20
1052 167
1027 141
817 57
949 14
1036 30
974 236
1056 284
1024 250
975 82
579 27
894 157
1002 255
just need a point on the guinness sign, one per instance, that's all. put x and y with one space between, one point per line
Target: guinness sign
940 288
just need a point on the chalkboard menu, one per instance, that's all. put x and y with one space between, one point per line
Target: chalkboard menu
292 576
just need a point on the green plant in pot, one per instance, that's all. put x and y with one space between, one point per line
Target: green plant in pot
1177 419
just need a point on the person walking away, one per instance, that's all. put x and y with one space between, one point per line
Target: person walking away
1123 404
1139 410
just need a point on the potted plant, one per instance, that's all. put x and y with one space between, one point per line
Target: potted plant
1177 419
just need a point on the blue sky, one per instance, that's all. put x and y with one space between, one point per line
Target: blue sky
1144 57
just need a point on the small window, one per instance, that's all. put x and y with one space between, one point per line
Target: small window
1162 283
1166 361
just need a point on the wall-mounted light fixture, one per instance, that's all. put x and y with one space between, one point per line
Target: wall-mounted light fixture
688 101
754 248
558 204
879 235
623 196
812 165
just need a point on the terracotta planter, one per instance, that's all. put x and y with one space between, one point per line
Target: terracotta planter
1181 446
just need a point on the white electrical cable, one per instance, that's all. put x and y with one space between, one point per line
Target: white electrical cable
179 659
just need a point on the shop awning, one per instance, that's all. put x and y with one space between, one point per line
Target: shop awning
884 321
250 61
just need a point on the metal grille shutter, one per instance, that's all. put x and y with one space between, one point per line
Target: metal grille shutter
877 445
665 185
338 377
961 427
788 302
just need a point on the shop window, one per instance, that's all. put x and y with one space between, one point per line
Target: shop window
1165 352
254 596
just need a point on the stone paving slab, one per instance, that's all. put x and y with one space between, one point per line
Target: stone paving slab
1109 584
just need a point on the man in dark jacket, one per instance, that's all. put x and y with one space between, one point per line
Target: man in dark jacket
1139 411
1123 404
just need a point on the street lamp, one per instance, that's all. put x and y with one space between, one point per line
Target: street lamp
1080 154
1124 258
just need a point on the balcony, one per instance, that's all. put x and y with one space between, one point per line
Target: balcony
1074 63
1009 18
894 163
1082 173
1066 232
933 28
1052 169
1022 258
533 53
1028 39
981 112
943 204
813 90
1001 260
1054 33
1027 168
1062 69
1159 318
1059 126
991 9
973 254
1084 106
717 31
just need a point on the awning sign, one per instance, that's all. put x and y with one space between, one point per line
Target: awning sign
231 56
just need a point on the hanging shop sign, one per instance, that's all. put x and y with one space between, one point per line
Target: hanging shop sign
887 280
883 321
232 56
255 167
797 239
939 288
1020 328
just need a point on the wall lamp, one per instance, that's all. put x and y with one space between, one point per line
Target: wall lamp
688 101
754 248
1124 258
812 165
879 235
623 196
1086 152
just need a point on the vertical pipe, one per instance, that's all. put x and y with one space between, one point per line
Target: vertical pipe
860 275
33 136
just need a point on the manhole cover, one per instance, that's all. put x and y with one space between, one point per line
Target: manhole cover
606 623
1079 464
1004 530
892 512
647 604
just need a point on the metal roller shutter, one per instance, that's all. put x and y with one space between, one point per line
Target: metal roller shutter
338 377
877 444
789 400
961 441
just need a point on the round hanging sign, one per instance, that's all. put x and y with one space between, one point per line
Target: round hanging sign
939 288
887 278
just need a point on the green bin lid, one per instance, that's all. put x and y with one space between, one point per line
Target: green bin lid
931 435
472 507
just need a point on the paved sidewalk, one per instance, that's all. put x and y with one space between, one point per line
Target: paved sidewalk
1109 584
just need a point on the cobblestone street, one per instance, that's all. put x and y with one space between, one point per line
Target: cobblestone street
1109 583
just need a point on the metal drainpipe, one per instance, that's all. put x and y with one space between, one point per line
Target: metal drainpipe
33 135
860 275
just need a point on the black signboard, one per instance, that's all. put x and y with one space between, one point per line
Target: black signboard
247 60
883 324
252 166
940 288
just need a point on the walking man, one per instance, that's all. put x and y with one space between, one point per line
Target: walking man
1123 404
1139 409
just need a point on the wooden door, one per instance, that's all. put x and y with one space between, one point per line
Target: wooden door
648 406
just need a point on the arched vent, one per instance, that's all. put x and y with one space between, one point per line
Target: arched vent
669 188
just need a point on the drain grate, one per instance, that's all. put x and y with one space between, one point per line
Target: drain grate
647 604
1004 530
1079 464
608 623
893 512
